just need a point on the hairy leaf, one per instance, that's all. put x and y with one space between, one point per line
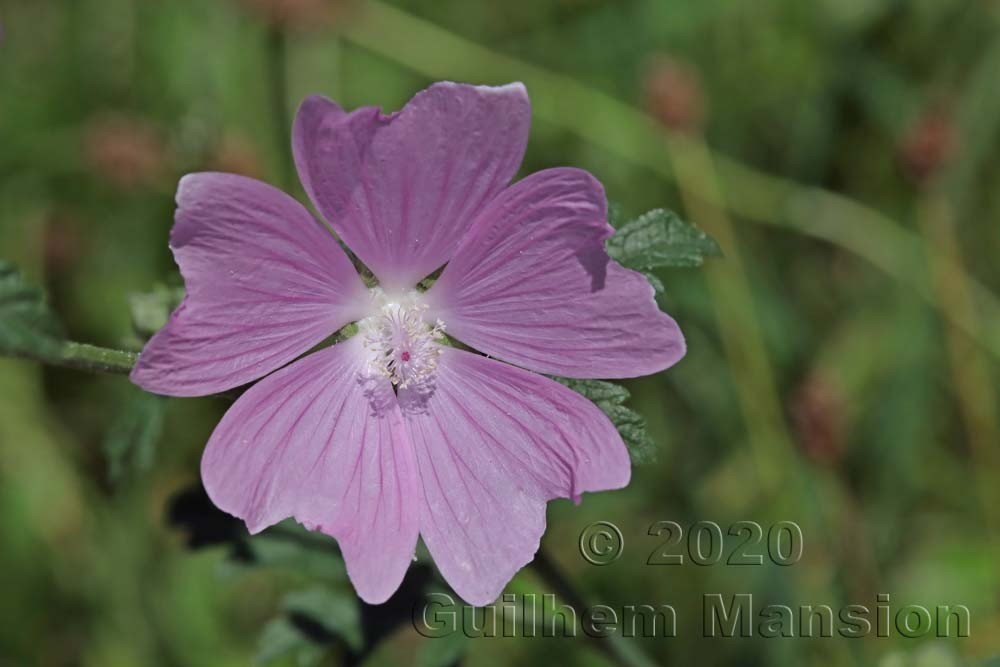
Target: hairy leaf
151 310
610 398
27 326
616 217
282 638
445 651
654 280
599 391
335 611
289 546
659 238
130 444
632 427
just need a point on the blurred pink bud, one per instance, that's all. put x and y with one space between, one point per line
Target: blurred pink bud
928 145
127 151
236 154
673 94
63 243
817 412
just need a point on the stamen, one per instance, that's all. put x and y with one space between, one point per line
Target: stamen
403 346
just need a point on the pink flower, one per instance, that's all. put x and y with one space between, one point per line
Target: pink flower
390 434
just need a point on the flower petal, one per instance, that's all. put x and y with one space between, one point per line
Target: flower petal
532 284
493 443
318 442
401 189
265 282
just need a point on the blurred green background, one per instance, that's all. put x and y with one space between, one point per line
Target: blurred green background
842 364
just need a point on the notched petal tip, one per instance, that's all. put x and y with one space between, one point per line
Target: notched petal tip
264 282
496 444
401 189
577 312
300 443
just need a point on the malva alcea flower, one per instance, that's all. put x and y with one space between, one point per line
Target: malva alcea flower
392 434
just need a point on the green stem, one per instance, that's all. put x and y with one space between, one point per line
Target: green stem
86 357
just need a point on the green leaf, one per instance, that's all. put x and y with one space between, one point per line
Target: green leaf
610 398
335 611
616 217
130 444
290 547
151 310
281 638
313 618
599 391
632 427
660 238
27 326
444 651
654 280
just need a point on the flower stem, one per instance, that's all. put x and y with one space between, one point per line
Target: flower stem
617 648
95 359
86 357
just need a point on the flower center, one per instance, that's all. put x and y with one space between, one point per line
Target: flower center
403 346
